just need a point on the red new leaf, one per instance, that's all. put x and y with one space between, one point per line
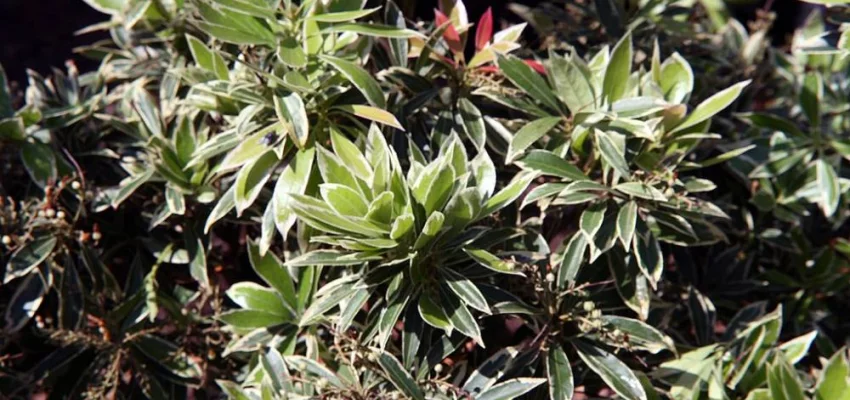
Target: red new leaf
450 34
484 32
536 65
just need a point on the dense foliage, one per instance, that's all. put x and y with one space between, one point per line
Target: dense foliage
274 199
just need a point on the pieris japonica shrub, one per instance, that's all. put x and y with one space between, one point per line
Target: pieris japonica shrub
282 199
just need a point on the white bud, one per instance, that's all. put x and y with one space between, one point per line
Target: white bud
60 214
7 240
75 185
438 368
96 236
588 306
550 277
50 213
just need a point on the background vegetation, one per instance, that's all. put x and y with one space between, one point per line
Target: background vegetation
266 199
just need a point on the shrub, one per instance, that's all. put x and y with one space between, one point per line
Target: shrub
269 199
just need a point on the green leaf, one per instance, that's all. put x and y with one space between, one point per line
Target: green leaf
572 261
542 191
459 316
528 135
432 313
300 363
373 114
272 271
247 150
830 191
432 228
293 115
252 296
256 8
797 348
811 97
773 123
12 129
251 319
611 153
26 258
331 257
560 374
399 376
27 299
618 70
224 205
527 79
400 47
361 79
291 53
726 156
318 214
640 190
351 156
626 220
779 166
129 185
570 78
712 106
276 369
233 27
401 226
677 79
473 122
251 179
648 254
6 110
467 291
508 194
491 370
198 258
232 390
591 219
783 382
39 161
834 383
703 315
147 111
206 58
433 186
617 375
333 295
342 16
344 200
492 262
510 389
294 179
549 164
641 335
376 30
